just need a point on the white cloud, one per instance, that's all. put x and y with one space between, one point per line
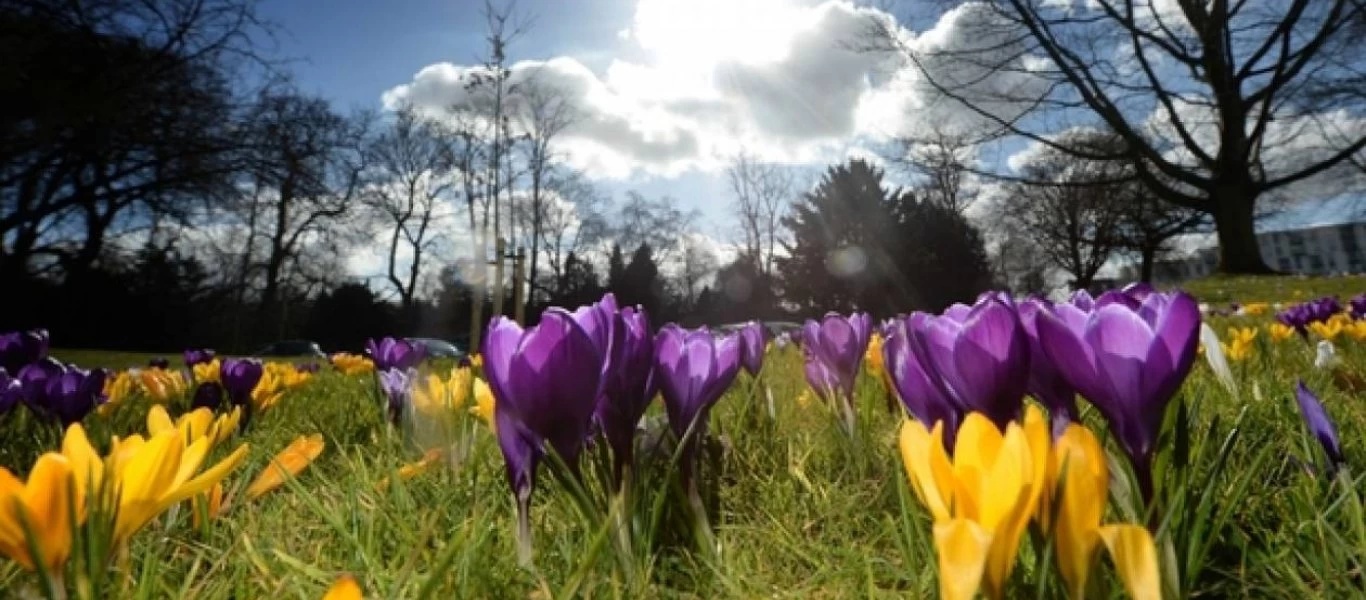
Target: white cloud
789 83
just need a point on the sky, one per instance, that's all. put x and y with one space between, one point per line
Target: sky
669 90
641 62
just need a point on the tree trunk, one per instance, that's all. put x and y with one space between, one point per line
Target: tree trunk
1239 253
1148 256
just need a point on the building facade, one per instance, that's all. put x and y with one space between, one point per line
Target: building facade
1321 250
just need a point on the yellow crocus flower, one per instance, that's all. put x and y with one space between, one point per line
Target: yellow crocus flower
352 364
1077 469
1280 332
345 588
160 384
116 389
207 372
288 463
1240 343
873 358
146 476
477 361
1253 309
43 503
1356 330
195 424
1328 330
483 403
981 499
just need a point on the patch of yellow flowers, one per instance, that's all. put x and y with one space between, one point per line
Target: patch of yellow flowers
1337 325
1279 332
436 397
276 378
1240 343
352 364
160 385
984 496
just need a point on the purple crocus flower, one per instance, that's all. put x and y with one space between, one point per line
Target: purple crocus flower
1082 299
752 347
1046 384
21 348
545 380
394 353
1358 306
1127 362
838 344
1321 425
34 378
1139 290
11 391
239 377
73 393
397 387
599 321
977 356
925 401
834 350
694 369
629 386
198 356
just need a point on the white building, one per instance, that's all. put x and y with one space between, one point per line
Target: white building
1315 250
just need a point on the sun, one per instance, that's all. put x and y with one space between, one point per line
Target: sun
694 36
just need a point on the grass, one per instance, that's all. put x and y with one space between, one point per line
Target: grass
1222 289
804 511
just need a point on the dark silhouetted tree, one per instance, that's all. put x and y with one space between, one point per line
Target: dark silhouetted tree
838 257
344 318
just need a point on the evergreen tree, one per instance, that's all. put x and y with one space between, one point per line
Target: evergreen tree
841 231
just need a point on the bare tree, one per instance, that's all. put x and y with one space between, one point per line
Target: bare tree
409 174
761 192
546 111
571 224
941 159
1068 211
1149 225
119 113
304 164
658 223
1219 102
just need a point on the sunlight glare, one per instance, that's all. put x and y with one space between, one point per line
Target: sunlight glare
697 35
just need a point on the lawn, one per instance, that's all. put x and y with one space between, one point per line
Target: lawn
802 510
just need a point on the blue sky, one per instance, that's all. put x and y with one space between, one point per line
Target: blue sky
354 50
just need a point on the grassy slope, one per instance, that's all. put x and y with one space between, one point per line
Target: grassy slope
805 513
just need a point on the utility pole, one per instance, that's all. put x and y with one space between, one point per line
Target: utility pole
518 293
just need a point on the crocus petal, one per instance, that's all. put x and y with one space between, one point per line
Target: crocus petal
928 467
962 547
288 463
1319 423
1135 556
344 588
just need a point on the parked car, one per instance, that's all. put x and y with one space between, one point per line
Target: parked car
292 348
438 348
